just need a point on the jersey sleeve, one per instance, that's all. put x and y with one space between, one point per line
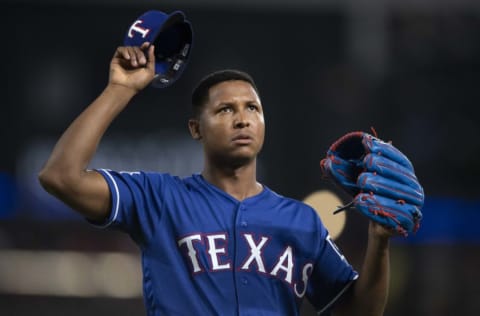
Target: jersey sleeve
332 274
136 202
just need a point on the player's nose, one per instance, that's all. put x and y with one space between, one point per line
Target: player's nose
241 120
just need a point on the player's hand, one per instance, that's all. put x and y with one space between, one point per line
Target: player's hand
377 230
131 68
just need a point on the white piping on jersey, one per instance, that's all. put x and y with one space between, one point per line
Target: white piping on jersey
338 295
117 202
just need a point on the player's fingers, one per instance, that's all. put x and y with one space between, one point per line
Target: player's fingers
139 56
151 57
144 46
122 52
133 56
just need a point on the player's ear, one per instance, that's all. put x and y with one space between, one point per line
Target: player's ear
194 127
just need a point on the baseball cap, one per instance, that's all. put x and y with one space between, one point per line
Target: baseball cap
172 36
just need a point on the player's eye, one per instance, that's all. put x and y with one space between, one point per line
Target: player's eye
225 109
253 107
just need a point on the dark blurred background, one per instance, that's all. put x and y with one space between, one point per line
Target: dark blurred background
410 69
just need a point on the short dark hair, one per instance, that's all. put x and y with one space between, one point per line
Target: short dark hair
200 93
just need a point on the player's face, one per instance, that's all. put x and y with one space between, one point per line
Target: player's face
231 125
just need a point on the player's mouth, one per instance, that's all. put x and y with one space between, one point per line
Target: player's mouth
242 139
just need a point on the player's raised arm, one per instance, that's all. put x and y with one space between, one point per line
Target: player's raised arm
384 187
369 294
65 173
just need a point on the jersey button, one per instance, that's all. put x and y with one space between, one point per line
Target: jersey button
244 224
244 281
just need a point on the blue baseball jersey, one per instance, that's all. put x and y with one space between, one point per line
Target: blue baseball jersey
206 253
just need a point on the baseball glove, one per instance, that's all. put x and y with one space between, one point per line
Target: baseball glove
380 179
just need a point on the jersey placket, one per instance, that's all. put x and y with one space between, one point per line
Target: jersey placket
241 281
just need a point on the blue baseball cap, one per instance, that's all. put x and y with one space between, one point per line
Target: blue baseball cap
172 36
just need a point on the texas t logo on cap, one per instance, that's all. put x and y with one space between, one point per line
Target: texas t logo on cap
172 36
136 27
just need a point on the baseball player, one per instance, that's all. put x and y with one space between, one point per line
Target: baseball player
217 242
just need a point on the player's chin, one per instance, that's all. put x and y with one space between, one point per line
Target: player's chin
250 150
242 156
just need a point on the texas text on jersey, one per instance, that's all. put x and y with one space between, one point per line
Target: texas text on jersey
221 256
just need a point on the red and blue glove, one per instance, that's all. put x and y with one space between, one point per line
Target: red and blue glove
380 179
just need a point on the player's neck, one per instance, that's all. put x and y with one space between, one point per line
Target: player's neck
240 182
